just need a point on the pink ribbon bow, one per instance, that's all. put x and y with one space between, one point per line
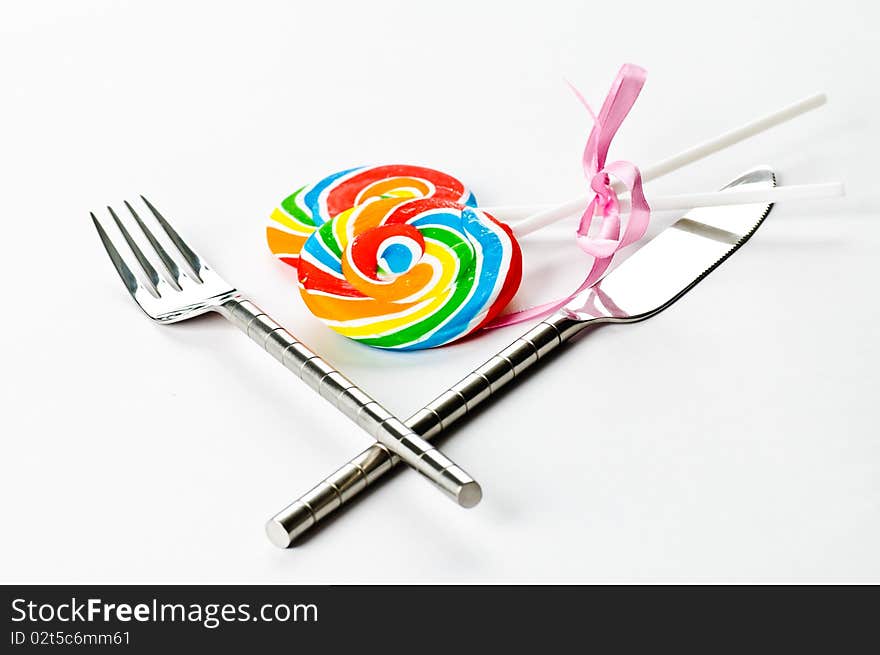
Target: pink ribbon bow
608 240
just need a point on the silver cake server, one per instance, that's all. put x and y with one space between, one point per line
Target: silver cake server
660 273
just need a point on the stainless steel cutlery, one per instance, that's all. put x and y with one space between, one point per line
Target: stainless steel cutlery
175 287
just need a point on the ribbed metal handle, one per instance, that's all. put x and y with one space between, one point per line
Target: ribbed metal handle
451 406
393 436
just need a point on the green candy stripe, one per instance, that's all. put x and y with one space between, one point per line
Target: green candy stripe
289 205
328 238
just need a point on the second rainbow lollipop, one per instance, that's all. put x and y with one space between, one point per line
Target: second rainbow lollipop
309 207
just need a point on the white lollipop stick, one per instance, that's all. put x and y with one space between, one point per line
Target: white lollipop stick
715 199
665 166
732 137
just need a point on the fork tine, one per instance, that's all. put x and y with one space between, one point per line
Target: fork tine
124 271
191 258
167 262
152 275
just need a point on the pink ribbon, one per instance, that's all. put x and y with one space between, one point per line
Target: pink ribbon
608 239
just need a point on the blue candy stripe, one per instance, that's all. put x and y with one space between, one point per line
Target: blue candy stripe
312 197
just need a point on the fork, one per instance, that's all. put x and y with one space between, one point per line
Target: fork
188 287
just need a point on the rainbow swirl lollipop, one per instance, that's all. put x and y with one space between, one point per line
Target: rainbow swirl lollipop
308 208
409 273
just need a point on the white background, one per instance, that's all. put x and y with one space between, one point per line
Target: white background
732 438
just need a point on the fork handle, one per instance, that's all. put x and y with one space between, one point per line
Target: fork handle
449 407
393 437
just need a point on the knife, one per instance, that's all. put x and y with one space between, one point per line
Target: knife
652 279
